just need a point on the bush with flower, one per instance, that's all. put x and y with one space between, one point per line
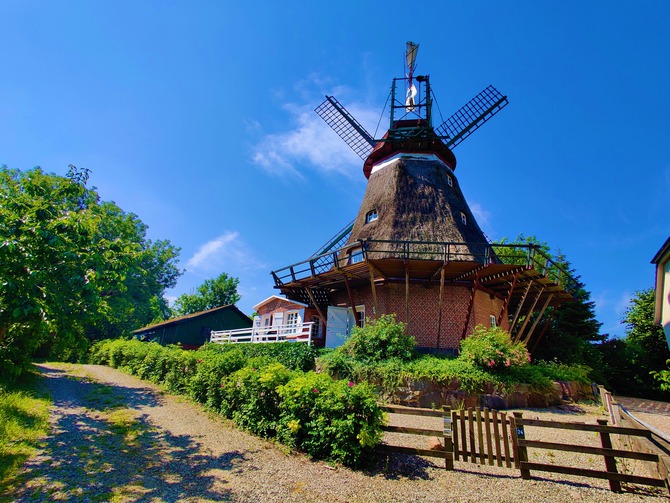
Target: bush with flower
493 349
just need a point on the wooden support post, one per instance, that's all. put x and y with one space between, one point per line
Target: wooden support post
521 455
506 301
537 320
440 305
519 334
448 442
374 290
407 294
323 319
518 309
351 301
610 461
471 306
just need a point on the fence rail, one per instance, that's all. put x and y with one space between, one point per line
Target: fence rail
282 333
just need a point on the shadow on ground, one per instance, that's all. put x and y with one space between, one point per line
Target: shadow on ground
96 452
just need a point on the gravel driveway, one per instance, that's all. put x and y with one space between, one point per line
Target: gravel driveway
117 438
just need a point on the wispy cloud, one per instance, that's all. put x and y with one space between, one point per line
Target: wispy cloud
309 142
483 217
225 253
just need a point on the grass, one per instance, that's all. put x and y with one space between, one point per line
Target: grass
24 420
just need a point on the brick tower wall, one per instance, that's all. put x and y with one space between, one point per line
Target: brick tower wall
424 310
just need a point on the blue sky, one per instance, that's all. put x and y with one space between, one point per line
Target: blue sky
197 116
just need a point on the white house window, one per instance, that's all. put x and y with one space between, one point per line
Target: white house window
355 255
464 218
371 216
493 321
450 181
292 318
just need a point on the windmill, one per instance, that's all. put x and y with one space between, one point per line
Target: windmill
415 248
411 120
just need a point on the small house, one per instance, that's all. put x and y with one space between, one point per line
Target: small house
193 330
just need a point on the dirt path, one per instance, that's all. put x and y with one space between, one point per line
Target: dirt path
116 438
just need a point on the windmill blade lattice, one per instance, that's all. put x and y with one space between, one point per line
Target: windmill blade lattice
347 128
471 116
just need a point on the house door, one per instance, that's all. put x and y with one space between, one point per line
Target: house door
340 323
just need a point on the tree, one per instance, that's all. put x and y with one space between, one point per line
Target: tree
220 291
647 347
72 267
573 335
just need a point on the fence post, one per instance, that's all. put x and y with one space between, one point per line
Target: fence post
521 455
448 442
610 461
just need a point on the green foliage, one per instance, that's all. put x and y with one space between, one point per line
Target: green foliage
24 420
72 268
296 356
493 348
663 377
378 340
340 421
216 292
250 397
635 365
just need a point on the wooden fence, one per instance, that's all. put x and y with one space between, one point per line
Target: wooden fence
445 433
485 436
606 450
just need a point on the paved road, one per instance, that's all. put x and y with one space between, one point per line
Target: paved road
644 405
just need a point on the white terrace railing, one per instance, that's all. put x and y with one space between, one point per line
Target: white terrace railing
282 333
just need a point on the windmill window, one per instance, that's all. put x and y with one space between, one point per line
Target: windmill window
493 321
371 216
356 256
450 181
464 218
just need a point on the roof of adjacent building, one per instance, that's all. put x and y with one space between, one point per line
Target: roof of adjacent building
663 253
179 319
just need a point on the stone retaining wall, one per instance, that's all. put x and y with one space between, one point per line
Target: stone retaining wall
426 393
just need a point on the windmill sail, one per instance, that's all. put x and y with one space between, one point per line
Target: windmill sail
347 128
471 116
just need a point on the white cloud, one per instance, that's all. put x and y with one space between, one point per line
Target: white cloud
225 253
310 141
482 216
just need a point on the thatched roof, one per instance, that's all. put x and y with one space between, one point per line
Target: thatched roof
415 202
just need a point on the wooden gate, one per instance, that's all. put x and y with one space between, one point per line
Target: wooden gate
483 436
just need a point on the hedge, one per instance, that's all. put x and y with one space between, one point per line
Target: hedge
264 391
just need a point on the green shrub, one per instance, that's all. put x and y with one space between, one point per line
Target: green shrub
341 422
337 420
492 348
293 355
379 340
250 397
205 385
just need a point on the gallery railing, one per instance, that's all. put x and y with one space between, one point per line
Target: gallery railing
528 255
